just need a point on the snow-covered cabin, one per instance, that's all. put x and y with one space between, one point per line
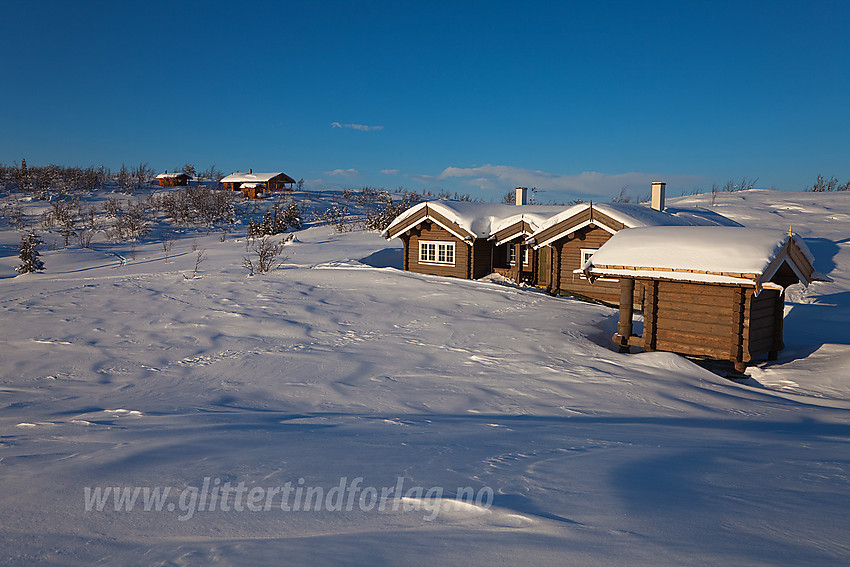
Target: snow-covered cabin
173 179
707 291
469 240
542 245
269 181
566 240
252 190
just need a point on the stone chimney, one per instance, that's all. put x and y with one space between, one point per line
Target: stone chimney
522 195
252 171
658 190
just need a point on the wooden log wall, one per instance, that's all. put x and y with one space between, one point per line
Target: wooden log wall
570 259
718 321
482 258
434 232
765 314
691 319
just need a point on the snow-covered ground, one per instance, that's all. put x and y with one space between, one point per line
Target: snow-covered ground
118 371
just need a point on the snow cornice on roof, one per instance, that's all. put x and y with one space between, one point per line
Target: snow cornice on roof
468 220
614 217
707 254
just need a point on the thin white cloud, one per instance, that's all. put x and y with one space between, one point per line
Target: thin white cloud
361 127
586 183
350 172
390 171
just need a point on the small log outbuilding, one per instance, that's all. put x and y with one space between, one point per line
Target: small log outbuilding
253 190
270 181
173 179
717 292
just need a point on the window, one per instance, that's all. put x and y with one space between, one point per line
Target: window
437 253
586 253
512 255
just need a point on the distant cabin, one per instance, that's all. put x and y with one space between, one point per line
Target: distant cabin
707 291
256 184
173 179
538 245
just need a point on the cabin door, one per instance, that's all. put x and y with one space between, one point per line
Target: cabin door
543 259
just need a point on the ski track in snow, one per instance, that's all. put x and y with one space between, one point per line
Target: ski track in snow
124 373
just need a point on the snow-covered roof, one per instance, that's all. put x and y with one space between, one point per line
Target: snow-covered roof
167 175
634 216
712 254
251 185
478 220
534 215
239 177
482 220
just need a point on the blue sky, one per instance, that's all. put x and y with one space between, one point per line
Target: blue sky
577 99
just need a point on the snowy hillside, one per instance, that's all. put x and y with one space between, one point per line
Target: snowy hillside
120 370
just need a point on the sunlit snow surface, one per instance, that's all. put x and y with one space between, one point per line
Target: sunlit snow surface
121 372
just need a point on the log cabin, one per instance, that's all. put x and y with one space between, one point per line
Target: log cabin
513 257
470 240
270 181
173 179
577 232
253 190
716 292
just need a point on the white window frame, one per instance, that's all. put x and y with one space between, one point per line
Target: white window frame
438 252
586 253
526 258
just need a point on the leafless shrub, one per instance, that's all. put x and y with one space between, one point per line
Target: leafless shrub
623 197
14 213
63 215
122 179
745 184
140 175
199 205
88 226
211 174
132 223
366 196
113 207
263 255
200 257
167 244
822 185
